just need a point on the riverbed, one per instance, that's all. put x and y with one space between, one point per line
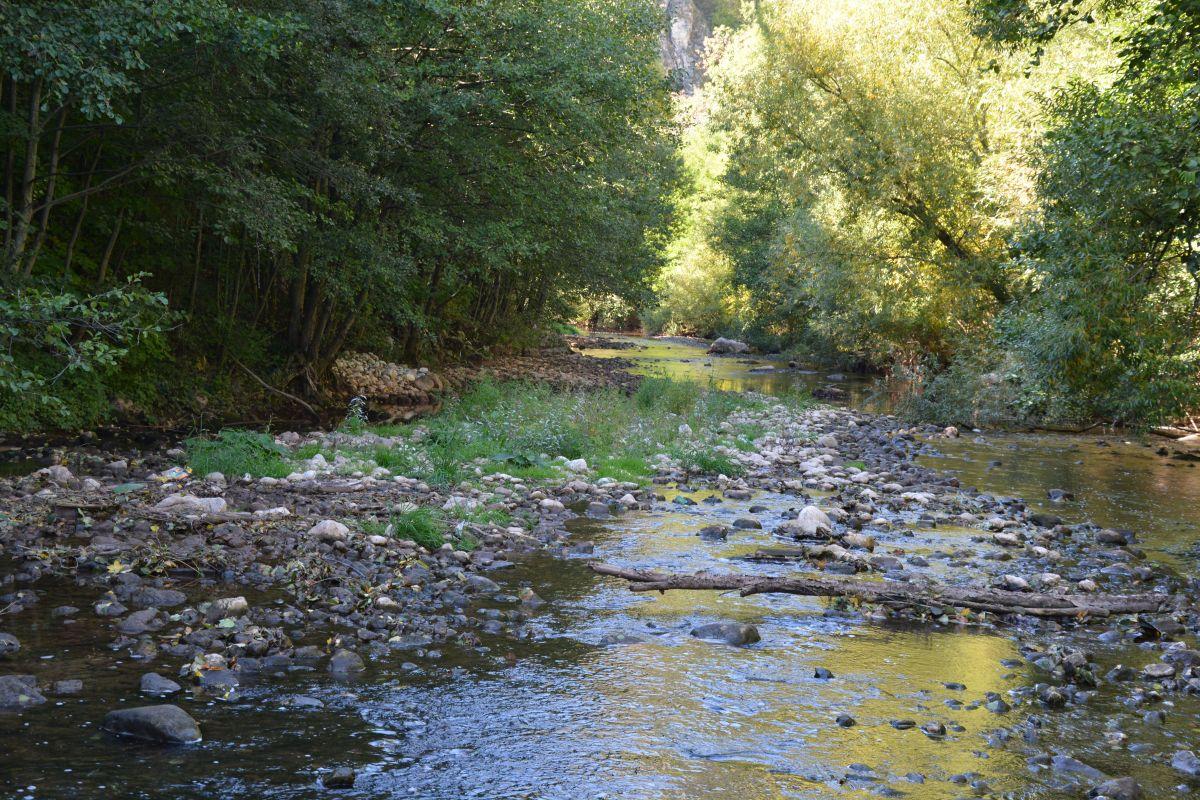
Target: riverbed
608 696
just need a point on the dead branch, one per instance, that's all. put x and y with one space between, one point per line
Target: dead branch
899 595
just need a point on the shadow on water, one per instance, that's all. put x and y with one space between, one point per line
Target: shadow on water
609 696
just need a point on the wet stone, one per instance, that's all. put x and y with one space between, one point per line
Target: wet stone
9 645
846 721
1118 789
340 778
934 730
346 662
19 692
165 724
1185 761
734 633
153 683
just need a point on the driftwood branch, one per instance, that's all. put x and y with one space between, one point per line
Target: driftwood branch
279 392
899 595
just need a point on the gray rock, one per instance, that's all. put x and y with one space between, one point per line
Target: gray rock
150 597
713 532
1158 671
747 523
346 662
219 684
70 686
735 633
1185 761
340 778
9 645
1118 789
140 622
153 683
224 607
165 724
482 584
1062 763
18 692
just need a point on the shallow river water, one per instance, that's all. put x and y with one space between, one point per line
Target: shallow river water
611 698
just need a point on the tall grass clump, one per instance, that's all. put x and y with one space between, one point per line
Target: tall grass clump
236 452
421 525
521 428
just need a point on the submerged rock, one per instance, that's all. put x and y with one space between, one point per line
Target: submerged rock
18 692
1118 789
9 645
735 633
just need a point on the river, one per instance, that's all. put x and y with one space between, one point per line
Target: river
610 697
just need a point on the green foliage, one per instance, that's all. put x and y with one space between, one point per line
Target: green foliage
626 469
482 516
524 430
235 453
57 349
417 177
419 524
664 394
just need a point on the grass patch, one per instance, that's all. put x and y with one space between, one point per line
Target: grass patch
235 453
857 464
482 516
701 459
520 429
422 525
633 469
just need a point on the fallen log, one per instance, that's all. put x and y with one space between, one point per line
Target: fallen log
899 595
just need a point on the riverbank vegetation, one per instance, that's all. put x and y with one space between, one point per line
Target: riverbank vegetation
526 431
996 199
198 192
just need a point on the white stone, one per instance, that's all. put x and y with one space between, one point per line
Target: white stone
577 465
811 521
190 504
273 513
329 530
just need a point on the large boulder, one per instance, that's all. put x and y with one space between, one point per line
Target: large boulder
165 724
723 346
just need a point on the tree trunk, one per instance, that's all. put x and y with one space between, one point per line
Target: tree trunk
196 262
82 212
900 595
24 215
48 198
108 249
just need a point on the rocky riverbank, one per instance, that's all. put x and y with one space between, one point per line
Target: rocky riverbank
213 580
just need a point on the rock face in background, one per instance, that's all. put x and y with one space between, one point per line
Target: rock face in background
683 43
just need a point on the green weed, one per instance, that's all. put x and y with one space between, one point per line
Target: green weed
236 452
